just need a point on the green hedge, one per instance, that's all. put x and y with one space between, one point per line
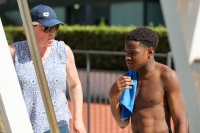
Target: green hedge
101 38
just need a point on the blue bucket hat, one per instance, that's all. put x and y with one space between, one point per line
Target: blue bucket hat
44 15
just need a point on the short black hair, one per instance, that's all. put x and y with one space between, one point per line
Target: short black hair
145 35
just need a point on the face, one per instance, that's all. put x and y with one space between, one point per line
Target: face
45 35
137 55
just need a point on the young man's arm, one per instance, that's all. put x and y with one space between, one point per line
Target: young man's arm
175 101
115 91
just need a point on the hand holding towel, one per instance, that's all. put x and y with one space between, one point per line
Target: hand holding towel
128 97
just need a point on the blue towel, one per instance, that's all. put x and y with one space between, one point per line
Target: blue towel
128 97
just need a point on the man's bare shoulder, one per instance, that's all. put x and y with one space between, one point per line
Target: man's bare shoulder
166 72
168 76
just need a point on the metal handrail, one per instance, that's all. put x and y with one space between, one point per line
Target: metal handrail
168 55
111 52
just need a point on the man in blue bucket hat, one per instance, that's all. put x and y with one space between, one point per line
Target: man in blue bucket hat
59 67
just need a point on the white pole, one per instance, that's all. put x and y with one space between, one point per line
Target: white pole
12 105
180 35
194 52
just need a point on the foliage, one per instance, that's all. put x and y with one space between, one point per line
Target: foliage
101 38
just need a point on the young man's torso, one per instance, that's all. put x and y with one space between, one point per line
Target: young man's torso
151 111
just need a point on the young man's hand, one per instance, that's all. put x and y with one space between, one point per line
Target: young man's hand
119 86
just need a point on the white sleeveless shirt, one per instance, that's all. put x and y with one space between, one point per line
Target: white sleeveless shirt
55 71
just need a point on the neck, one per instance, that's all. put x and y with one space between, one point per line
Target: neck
43 50
146 69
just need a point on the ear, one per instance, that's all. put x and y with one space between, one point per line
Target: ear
150 52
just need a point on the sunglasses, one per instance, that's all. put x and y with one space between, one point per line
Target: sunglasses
49 29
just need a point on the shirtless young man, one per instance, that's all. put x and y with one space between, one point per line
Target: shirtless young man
158 95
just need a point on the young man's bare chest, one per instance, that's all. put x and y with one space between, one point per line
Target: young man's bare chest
150 105
150 92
